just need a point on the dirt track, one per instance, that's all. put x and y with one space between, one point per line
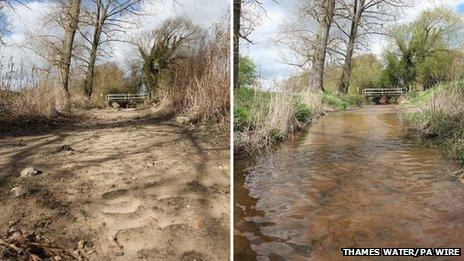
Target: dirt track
130 185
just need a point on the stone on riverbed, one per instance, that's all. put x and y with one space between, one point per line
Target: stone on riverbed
29 172
19 191
182 120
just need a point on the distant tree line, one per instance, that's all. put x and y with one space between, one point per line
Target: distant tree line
74 43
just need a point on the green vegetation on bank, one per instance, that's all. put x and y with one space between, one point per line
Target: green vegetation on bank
339 101
438 113
263 118
427 58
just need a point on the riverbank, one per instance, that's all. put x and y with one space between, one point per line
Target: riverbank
263 119
438 114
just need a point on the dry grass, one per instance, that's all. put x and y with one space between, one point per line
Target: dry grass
263 118
27 100
271 118
40 101
200 85
24 95
439 114
31 108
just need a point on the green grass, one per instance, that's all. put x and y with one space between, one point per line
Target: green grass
340 101
303 112
417 98
247 103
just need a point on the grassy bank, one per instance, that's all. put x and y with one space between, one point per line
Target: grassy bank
263 118
438 114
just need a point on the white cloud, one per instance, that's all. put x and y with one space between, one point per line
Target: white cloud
21 19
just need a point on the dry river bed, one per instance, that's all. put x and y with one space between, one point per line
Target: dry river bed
120 185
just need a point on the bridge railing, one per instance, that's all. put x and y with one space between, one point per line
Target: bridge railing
126 97
383 91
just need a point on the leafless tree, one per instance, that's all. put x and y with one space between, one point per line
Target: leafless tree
324 11
72 12
101 23
365 18
4 4
308 35
55 41
329 31
236 45
3 22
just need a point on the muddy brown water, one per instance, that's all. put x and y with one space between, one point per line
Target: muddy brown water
355 179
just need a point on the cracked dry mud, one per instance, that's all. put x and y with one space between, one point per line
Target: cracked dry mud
122 185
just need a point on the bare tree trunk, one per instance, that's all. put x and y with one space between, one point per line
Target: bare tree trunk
236 45
316 82
107 18
70 32
89 75
358 6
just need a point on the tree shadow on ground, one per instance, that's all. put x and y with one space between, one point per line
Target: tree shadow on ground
55 186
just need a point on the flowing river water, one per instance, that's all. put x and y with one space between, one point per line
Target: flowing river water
355 179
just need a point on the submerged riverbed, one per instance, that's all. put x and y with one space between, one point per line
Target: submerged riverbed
355 179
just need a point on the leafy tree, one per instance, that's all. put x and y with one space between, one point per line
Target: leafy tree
391 75
366 72
246 72
436 68
359 78
424 49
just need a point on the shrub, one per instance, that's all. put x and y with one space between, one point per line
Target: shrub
302 111
242 119
438 113
251 106
276 135
359 78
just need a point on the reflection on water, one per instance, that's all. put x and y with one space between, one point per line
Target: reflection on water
356 179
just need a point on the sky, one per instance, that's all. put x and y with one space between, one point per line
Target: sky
268 55
27 16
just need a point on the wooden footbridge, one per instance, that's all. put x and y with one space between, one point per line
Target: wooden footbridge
381 92
126 99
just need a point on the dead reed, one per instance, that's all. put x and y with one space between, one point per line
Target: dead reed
200 85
